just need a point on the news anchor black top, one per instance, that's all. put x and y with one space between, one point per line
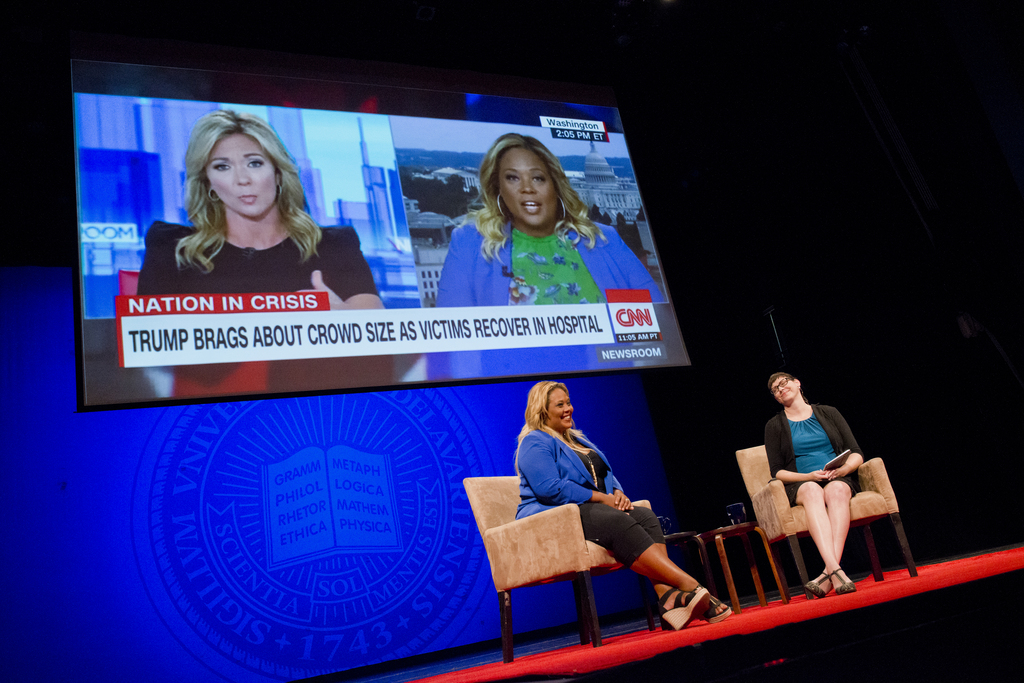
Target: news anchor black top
237 270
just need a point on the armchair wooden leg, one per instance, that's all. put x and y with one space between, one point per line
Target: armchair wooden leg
648 610
581 618
505 606
780 576
897 526
876 566
798 558
783 589
586 589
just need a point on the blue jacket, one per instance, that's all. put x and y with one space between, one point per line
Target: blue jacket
551 474
468 279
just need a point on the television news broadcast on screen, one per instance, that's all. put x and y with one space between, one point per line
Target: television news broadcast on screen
387 180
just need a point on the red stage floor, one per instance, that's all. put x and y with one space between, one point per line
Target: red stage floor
620 649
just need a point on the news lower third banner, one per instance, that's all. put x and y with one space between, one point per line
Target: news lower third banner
200 329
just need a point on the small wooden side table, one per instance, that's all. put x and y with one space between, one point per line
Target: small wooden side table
680 539
742 530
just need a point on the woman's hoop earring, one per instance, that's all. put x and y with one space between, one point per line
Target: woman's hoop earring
564 212
212 195
499 207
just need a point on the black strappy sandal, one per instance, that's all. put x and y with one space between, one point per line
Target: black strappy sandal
678 608
816 587
712 615
846 587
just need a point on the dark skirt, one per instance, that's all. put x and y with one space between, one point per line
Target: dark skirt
852 482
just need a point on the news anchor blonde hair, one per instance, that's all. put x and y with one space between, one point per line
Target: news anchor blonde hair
207 214
491 222
536 415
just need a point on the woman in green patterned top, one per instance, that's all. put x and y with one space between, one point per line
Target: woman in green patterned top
532 242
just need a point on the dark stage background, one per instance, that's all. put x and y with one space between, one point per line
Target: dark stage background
894 294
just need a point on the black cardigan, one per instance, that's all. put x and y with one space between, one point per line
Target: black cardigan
778 440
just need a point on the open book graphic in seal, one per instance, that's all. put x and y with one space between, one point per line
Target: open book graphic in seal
317 503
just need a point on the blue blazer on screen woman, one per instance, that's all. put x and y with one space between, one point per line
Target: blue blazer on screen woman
551 474
468 279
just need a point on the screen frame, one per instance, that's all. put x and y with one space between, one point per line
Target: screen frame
263 67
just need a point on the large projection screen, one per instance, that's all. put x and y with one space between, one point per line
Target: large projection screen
395 168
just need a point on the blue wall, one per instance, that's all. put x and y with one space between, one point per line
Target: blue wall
137 542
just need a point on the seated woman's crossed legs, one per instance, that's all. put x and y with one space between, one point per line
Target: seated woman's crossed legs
635 538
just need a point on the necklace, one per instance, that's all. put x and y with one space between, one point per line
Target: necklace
586 457
590 461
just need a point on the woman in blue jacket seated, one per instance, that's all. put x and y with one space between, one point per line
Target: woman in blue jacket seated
557 466
532 242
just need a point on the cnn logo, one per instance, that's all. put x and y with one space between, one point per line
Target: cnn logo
632 317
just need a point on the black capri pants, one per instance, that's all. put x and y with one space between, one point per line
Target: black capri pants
626 533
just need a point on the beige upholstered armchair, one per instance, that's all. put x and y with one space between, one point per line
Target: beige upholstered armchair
538 549
780 521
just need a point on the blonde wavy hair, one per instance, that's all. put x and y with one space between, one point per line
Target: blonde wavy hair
491 222
536 415
207 215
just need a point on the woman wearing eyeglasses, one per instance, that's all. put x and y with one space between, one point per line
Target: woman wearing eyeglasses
800 440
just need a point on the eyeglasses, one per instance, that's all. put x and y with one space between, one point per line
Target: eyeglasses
780 386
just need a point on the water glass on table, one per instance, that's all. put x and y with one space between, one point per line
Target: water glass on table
737 513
